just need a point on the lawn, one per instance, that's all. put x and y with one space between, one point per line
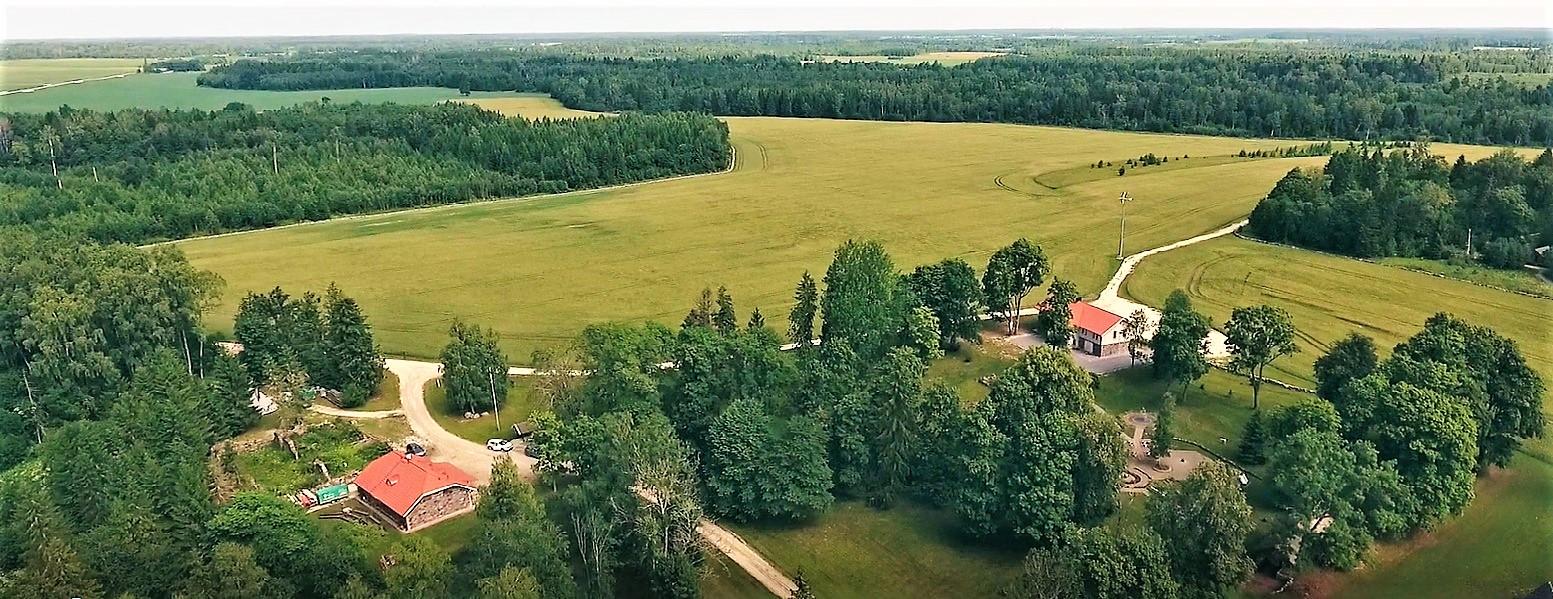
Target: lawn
178 90
964 368
386 397
947 59
857 551
1215 407
539 269
31 72
522 401
272 469
532 107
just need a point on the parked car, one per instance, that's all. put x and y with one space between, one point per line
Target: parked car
414 448
531 450
498 445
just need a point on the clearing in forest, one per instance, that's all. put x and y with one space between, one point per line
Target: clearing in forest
947 59
532 107
178 90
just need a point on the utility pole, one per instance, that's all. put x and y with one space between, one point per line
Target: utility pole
1121 240
495 408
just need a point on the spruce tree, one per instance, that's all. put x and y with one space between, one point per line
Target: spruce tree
701 314
355 367
757 320
806 298
1253 441
725 320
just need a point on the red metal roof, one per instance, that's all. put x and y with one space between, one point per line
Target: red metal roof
1092 319
399 480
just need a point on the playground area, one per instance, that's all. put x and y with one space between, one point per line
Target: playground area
1143 470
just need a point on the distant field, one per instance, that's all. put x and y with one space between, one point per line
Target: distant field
178 90
947 59
539 269
532 107
32 72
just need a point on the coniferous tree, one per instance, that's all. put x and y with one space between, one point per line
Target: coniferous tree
355 366
806 300
1161 438
725 320
474 369
1251 450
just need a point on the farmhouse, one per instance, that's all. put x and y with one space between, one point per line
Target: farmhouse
415 492
1097 331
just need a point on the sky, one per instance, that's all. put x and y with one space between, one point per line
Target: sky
51 19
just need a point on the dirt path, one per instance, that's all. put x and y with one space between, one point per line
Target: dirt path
333 411
1111 300
28 90
475 459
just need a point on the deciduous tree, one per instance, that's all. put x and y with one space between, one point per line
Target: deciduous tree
1256 336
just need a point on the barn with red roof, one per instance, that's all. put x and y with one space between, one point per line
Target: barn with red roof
415 492
1097 331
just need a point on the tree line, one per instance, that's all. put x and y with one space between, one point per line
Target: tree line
1411 203
1337 93
143 175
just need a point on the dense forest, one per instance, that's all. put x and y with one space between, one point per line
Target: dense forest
1346 94
146 175
1412 203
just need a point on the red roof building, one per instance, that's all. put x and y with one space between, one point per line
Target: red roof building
416 492
1097 331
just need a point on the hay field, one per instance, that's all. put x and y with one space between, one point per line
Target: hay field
539 269
31 72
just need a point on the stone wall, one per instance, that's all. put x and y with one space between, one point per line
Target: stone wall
439 506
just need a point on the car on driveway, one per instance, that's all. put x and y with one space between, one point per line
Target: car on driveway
501 445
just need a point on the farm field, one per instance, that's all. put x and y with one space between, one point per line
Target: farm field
539 269
947 59
178 90
23 73
532 107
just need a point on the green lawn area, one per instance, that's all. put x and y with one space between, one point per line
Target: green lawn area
909 551
31 72
726 580
522 401
452 533
178 90
386 397
1216 406
964 368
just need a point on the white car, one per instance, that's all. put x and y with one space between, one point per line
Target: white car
498 445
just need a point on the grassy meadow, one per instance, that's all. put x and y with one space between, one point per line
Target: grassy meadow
522 401
178 90
539 269
23 73
532 107
947 59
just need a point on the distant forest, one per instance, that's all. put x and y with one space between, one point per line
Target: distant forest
147 175
1412 203
1333 93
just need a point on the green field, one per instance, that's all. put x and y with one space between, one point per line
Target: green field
539 269
31 72
947 59
857 551
178 90
1332 296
